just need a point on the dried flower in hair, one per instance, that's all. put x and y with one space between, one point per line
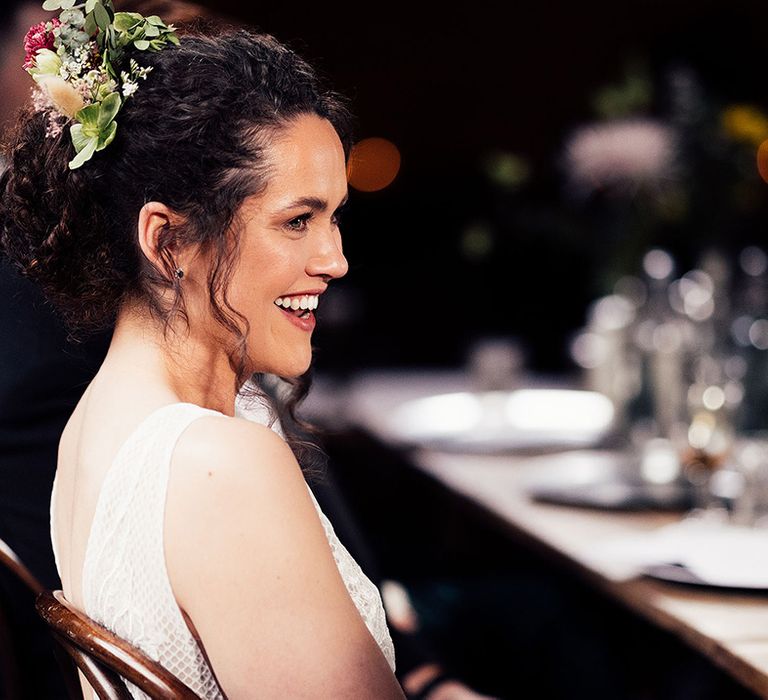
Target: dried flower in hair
63 95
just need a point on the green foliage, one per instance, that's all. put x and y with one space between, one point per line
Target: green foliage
95 128
114 33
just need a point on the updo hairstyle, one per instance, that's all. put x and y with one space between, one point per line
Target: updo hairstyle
193 137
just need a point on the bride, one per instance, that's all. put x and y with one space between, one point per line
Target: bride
188 193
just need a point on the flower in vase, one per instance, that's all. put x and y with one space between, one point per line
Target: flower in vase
621 156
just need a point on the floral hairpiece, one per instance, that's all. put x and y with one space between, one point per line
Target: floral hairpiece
76 60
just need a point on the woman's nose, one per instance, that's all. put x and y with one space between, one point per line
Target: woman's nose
329 260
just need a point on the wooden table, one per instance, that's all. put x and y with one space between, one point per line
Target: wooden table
730 629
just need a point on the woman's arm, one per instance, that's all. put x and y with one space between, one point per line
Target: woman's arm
250 564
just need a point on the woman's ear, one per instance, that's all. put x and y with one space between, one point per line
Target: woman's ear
156 238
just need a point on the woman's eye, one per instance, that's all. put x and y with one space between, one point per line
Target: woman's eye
299 223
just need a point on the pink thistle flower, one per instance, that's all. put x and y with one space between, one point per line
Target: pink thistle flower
39 36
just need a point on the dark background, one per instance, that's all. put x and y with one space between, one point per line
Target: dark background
453 88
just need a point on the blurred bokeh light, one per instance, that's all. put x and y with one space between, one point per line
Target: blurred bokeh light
373 164
762 160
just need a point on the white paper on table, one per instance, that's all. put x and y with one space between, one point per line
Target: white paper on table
719 554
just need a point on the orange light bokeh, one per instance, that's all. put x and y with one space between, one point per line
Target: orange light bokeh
373 164
762 160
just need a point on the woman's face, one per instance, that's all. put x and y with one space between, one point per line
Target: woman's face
291 245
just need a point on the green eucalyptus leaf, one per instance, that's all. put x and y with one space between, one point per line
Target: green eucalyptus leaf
107 136
110 106
67 4
141 44
74 18
90 24
89 5
85 154
52 5
125 21
154 19
151 30
101 15
173 38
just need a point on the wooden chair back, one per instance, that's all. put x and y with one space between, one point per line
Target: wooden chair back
12 681
103 657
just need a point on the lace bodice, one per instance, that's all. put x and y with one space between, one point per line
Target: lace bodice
125 581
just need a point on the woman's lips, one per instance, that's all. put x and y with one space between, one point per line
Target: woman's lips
307 323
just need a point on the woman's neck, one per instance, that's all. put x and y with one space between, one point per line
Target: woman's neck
191 370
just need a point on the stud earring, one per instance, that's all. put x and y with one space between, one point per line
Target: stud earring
178 272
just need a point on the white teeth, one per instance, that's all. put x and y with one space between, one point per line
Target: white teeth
308 301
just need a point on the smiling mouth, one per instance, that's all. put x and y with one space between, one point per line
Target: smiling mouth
300 306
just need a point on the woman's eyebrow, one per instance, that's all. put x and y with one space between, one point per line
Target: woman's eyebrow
313 202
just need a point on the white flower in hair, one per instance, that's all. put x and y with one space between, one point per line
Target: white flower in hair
129 87
47 63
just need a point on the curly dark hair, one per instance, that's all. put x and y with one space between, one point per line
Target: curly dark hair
193 137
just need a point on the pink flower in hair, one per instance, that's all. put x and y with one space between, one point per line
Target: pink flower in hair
39 36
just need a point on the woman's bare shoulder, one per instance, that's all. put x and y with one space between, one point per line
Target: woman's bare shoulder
221 461
250 563
230 479
224 445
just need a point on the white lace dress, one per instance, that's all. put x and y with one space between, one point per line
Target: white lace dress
125 580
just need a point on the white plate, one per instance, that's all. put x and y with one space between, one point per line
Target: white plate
499 421
696 551
678 573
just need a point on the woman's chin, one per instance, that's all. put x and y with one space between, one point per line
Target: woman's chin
293 369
